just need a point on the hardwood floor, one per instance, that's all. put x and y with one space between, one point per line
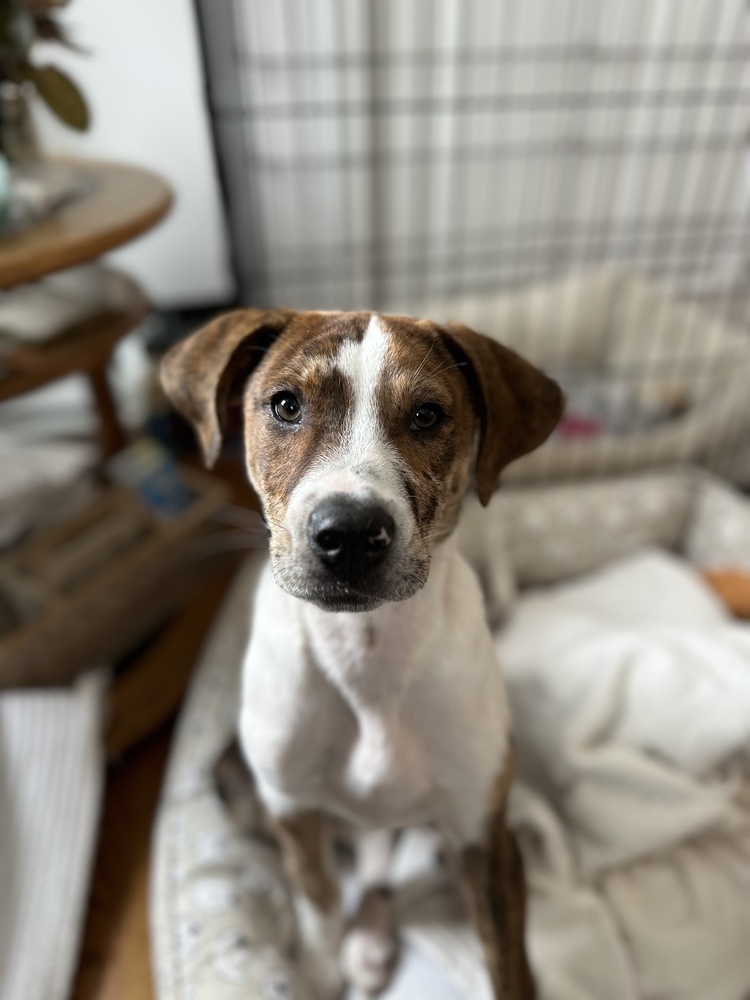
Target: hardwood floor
115 960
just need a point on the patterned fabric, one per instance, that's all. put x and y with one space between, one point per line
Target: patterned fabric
222 925
562 530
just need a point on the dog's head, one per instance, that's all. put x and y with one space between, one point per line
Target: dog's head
363 433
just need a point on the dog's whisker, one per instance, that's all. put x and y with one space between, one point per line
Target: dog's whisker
438 371
448 366
276 524
423 362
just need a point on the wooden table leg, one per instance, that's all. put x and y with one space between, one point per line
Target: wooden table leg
111 433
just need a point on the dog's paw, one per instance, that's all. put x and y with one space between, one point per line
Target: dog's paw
370 949
368 960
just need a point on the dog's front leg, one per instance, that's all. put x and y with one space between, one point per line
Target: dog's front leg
306 855
370 948
493 882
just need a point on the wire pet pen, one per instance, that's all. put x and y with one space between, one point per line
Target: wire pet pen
568 175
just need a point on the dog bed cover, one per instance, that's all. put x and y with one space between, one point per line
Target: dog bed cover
630 688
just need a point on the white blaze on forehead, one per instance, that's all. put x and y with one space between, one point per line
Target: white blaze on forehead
362 364
366 462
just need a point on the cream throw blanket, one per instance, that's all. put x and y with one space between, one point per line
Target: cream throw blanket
631 702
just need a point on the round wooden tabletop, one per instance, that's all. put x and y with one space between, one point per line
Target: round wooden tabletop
123 203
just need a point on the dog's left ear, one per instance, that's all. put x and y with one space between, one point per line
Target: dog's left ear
517 405
204 373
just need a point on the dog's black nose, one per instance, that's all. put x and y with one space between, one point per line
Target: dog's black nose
349 536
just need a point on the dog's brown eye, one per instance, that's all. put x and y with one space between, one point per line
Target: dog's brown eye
285 406
427 416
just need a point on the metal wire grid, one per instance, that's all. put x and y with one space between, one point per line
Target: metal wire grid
393 153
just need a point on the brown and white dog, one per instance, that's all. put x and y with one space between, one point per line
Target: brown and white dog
371 689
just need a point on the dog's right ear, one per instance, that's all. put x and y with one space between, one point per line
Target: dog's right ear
203 374
518 406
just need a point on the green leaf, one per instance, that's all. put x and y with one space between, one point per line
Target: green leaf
60 95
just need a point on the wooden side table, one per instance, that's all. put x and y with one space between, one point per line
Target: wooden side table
124 202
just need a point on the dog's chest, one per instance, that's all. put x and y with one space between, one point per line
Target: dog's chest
379 721
367 769
372 666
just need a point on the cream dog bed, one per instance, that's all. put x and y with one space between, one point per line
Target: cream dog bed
668 377
632 841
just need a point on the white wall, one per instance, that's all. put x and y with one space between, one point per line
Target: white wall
142 77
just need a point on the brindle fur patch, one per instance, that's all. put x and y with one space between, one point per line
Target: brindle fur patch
495 890
304 849
436 463
302 362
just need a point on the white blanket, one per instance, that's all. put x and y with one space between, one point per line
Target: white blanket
630 692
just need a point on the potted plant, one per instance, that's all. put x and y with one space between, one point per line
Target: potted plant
22 23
